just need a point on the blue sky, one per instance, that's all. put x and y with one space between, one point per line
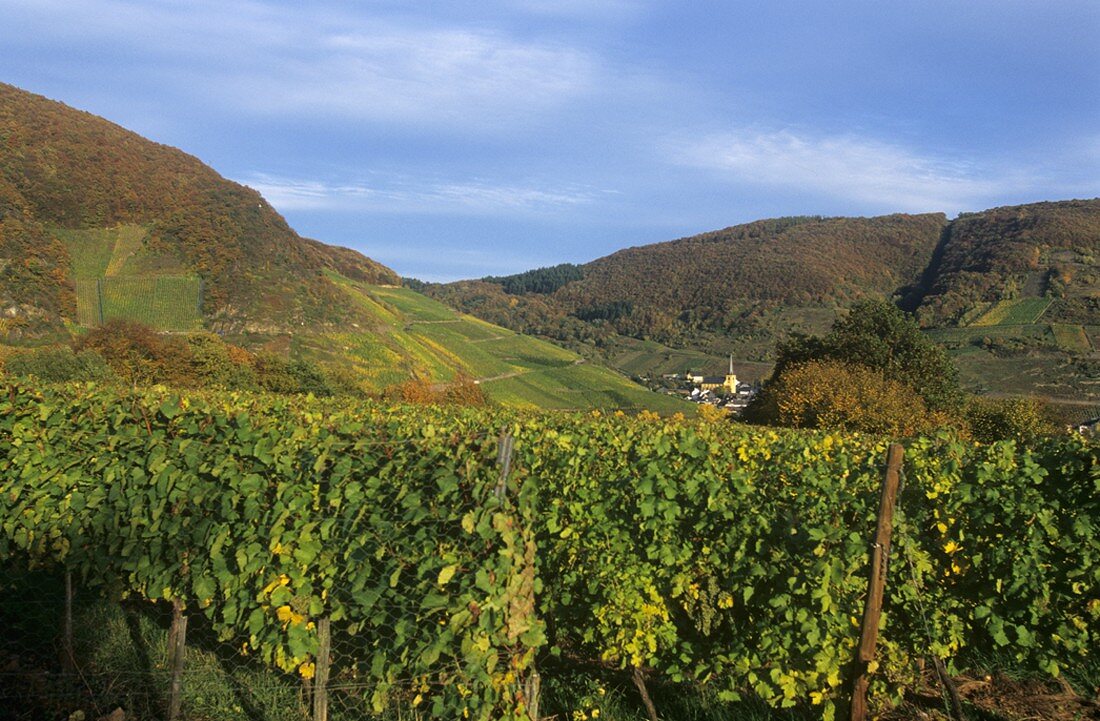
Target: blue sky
454 140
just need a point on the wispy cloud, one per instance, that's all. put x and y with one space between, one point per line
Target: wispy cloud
578 8
406 195
298 61
848 167
430 76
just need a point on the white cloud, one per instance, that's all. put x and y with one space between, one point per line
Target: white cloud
399 74
848 167
322 62
578 8
399 195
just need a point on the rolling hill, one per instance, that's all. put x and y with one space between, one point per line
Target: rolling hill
98 223
736 290
1013 292
82 199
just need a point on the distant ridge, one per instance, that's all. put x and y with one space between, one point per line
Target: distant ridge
754 282
1013 292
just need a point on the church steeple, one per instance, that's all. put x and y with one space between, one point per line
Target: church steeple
731 379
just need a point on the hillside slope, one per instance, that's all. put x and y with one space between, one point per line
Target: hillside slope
738 289
411 335
70 171
1038 250
98 223
1014 294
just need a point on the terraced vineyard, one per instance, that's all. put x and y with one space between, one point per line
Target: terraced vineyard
117 277
1022 311
415 335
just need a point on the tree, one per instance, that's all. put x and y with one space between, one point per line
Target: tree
877 335
845 396
139 355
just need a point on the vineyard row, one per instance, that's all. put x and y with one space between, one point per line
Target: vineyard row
706 552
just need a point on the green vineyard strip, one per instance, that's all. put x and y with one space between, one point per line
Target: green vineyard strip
267 516
1071 338
1024 311
712 553
165 302
740 555
87 303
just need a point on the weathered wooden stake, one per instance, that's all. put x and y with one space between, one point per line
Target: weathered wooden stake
532 685
68 660
952 690
639 682
505 446
872 610
177 652
532 690
321 671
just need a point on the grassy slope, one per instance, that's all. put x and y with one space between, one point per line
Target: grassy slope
413 334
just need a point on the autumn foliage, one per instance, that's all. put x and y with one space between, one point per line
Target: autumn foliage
62 168
462 391
845 396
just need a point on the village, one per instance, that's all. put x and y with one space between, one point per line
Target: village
725 391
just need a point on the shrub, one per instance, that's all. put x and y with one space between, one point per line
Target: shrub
139 355
59 364
1001 419
219 365
279 375
844 396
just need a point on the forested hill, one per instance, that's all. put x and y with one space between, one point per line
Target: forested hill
66 175
712 280
1012 292
1041 250
754 281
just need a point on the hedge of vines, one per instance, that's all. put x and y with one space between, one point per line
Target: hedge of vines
266 515
700 552
740 555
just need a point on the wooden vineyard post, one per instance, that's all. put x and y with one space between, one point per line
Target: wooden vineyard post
872 610
177 650
505 446
324 662
68 660
532 684
532 691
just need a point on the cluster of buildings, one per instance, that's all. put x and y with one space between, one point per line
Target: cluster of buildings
720 391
